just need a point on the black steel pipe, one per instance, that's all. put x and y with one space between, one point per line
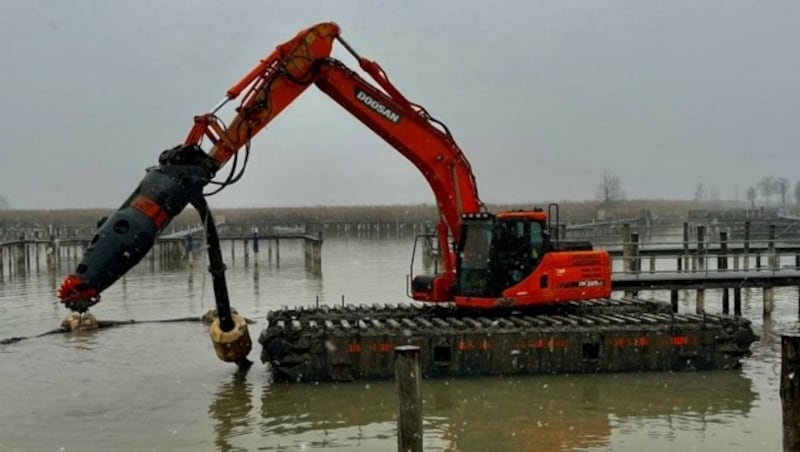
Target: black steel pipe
216 265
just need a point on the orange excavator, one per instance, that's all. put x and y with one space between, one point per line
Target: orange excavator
508 259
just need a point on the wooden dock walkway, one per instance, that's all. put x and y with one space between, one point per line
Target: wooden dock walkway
705 280
22 255
691 262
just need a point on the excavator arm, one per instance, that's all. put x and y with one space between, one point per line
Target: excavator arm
282 76
273 84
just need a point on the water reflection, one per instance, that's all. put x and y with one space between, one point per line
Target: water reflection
158 401
230 408
256 285
545 413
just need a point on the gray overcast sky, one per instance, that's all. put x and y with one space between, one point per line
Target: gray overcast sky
542 96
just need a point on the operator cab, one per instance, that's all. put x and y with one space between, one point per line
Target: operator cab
498 252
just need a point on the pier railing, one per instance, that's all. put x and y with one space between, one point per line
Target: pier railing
18 257
674 254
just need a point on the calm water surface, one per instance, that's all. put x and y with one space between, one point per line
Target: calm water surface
160 386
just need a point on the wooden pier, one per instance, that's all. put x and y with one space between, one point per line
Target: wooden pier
699 263
694 260
18 257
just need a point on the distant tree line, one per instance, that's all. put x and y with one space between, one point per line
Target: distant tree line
769 186
610 192
4 205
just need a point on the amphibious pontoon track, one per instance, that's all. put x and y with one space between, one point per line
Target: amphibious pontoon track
345 343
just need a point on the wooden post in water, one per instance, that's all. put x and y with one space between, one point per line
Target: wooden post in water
701 247
189 247
768 294
685 246
700 301
21 252
772 258
277 252
737 301
409 391
627 253
313 252
673 299
636 262
726 308
256 244
11 260
626 247
54 257
790 391
722 259
27 257
746 257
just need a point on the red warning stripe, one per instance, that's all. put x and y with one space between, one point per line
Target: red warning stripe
151 209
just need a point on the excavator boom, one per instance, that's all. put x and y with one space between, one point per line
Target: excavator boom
274 83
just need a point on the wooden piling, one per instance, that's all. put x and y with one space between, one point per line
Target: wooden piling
27 257
55 255
768 295
312 247
20 255
726 301
627 249
746 256
700 301
189 248
685 245
409 392
673 299
636 262
722 258
772 258
701 248
790 390
737 301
